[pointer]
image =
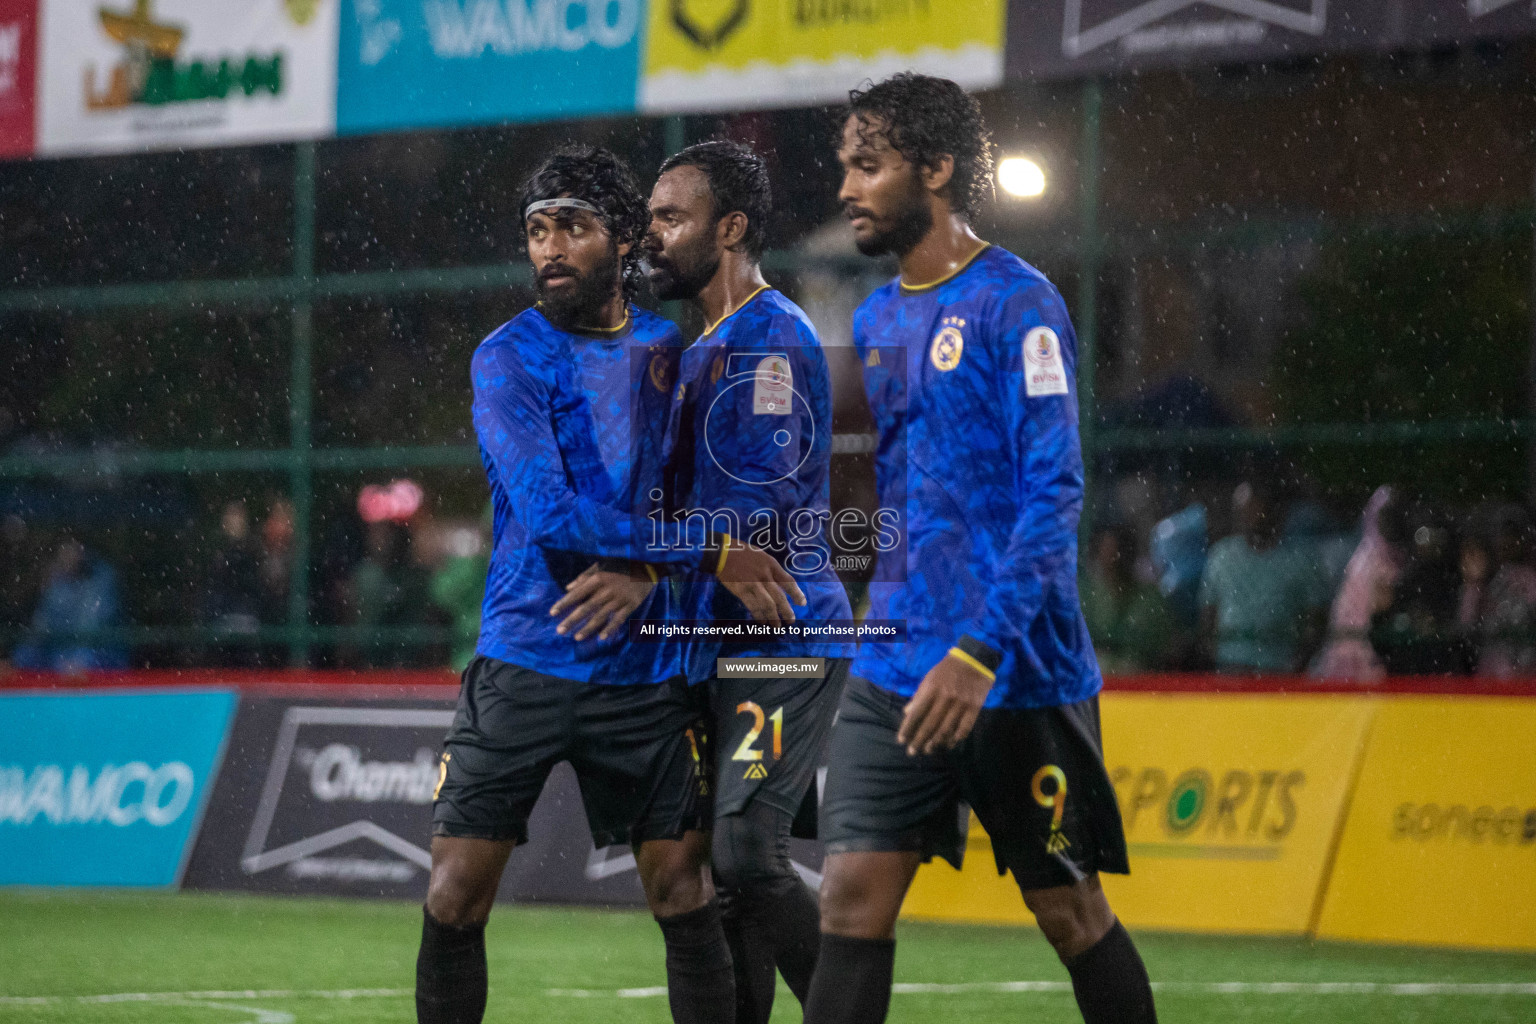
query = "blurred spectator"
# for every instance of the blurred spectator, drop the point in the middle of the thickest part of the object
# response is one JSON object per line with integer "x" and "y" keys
{"x": 1178, "y": 549}
{"x": 18, "y": 553}
{"x": 458, "y": 588}
{"x": 1509, "y": 607}
{"x": 1261, "y": 601}
{"x": 1132, "y": 625}
{"x": 232, "y": 591}
{"x": 1476, "y": 564}
{"x": 79, "y": 596}
{"x": 1369, "y": 577}
{"x": 276, "y": 561}
{"x": 387, "y": 588}
{"x": 1415, "y": 634}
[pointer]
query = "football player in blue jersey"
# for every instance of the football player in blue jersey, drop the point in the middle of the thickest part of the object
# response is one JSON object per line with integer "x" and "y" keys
{"x": 752, "y": 432}
{"x": 571, "y": 399}
{"x": 968, "y": 359}
{"x": 749, "y": 451}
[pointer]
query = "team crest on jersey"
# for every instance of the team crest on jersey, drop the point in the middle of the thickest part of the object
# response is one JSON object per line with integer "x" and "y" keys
{"x": 948, "y": 345}
{"x": 660, "y": 373}
{"x": 873, "y": 359}
{"x": 1044, "y": 371}
{"x": 716, "y": 369}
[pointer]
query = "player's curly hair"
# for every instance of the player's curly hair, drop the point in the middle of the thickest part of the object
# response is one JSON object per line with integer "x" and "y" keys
{"x": 925, "y": 118}
{"x": 738, "y": 180}
{"x": 595, "y": 175}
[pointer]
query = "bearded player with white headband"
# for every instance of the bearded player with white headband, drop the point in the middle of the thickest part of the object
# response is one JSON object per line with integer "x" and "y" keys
{"x": 570, "y": 407}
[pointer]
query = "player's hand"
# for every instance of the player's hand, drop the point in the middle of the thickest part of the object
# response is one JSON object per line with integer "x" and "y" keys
{"x": 944, "y": 709}
{"x": 600, "y": 602}
{"x": 760, "y": 583}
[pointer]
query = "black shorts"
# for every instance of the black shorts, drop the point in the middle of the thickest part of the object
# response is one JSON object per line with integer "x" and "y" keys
{"x": 768, "y": 738}
{"x": 634, "y": 749}
{"x": 1035, "y": 778}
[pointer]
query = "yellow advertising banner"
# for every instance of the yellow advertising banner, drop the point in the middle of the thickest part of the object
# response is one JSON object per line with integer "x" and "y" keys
{"x": 1231, "y": 804}
{"x": 1440, "y": 845}
{"x": 728, "y": 54}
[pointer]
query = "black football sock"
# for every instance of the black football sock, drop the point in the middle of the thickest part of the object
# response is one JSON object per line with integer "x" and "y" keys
{"x": 700, "y": 986}
{"x": 751, "y": 956}
{"x": 853, "y": 981}
{"x": 772, "y": 917}
{"x": 794, "y": 920}
{"x": 450, "y": 973}
{"x": 1110, "y": 981}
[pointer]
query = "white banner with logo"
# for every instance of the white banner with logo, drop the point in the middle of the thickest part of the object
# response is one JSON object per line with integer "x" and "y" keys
{"x": 121, "y": 75}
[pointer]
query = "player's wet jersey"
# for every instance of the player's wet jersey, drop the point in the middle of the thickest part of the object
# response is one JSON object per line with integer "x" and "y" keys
{"x": 750, "y": 448}
{"x": 571, "y": 426}
{"x": 971, "y": 381}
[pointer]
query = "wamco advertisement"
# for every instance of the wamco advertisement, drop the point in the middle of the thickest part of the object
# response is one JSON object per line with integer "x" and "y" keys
{"x": 105, "y": 789}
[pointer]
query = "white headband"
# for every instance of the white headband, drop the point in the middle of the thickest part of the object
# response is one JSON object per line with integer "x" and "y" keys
{"x": 564, "y": 202}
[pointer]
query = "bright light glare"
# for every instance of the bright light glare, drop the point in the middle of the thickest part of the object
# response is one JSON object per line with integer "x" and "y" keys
{"x": 1022, "y": 177}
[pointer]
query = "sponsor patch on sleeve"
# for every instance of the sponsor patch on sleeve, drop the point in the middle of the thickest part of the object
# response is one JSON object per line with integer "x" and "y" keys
{"x": 772, "y": 387}
{"x": 1044, "y": 371}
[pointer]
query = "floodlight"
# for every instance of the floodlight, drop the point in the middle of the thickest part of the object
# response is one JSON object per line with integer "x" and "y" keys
{"x": 1021, "y": 177}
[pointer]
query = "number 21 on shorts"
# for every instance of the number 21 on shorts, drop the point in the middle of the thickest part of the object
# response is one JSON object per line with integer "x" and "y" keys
{"x": 746, "y": 751}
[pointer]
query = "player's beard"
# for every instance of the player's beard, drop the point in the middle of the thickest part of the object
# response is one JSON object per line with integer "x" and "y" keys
{"x": 579, "y": 304}
{"x": 684, "y": 271}
{"x": 905, "y": 227}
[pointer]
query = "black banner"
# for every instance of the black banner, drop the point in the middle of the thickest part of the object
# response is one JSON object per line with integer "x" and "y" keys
{"x": 1067, "y": 38}
{"x": 334, "y": 797}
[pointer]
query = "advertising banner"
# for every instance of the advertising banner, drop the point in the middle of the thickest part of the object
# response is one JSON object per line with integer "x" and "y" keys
{"x": 1065, "y": 38}
{"x": 105, "y": 789}
{"x": 18, "y": 77}
{"x": 120, "y": 75}
{"x": 723, "y": 54}
{"x": 1440, "y": 844}
{"x": 334, "y": 797}
{"x": 1231, "y": 805}
{"x": 421, "y": 63}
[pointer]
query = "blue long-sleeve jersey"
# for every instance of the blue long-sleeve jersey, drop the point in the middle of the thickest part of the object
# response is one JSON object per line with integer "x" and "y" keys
{"x": 750, "y": 444}
{"x": 571, "y": 428}
{"x": 971, "y": 381}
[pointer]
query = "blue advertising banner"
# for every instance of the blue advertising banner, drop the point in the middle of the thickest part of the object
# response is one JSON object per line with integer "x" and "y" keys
{"x": 105, "y": 789}
{"x": 423, "y": 63}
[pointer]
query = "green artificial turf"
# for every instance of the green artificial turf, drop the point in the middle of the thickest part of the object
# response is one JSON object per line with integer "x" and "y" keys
{"x": 205, "y": 959}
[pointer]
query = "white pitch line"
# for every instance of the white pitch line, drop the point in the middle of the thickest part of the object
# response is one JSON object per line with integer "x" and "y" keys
{"x": 258, "y": 1015}
{"x": 1299, "y": 988}
{"x": 249, "y": 993}
{"x": 1273, "y": 988}
{"x": 607, "y": 993}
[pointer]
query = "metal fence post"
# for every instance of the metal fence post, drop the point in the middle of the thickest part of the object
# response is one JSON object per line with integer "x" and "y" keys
{"x": 300, "y": 401}
{"x": 1090, "y": 258}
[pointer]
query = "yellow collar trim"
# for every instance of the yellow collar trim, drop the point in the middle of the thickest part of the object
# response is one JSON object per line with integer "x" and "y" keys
{"x": 910, "y": 288}
{"x": 608, "y": 330}
{"x": 595, "y": 330}
{"x": 739, "y": 307}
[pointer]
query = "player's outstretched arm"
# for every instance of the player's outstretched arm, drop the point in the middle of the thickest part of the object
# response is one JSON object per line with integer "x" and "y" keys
{"x": 1038, "y": 419}
{"x": 946, "y": 705}
{"x": 1037, "y": 415}
{"x": 758, "y": 581}
{"x": 600, "y": 601}
{"x": 511, "y": 413}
